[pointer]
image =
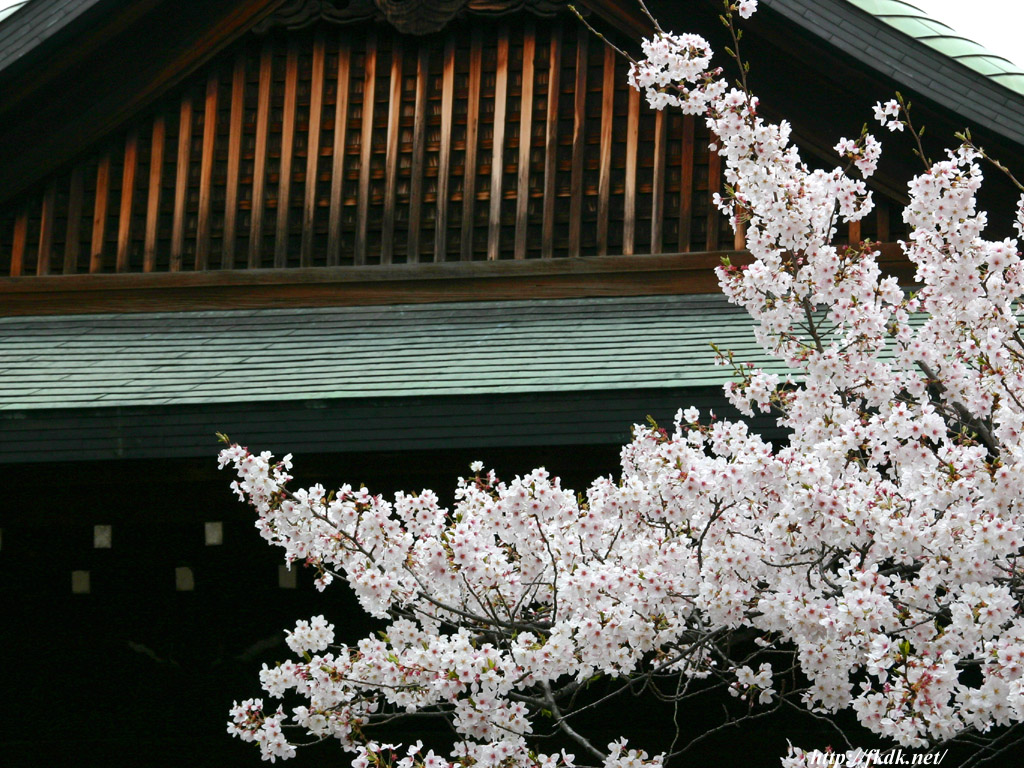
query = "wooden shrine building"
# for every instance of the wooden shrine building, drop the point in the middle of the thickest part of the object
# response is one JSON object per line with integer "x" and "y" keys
{"x": 390, "y": 236}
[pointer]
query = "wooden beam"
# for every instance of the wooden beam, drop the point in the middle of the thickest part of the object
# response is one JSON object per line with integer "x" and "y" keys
{"x": 472, "y": 136}
{"x": 658, "y": 183}
{"x": 44, "y": 255}
{"x": 366, "y": 285}
{"x": 20, "y": 240}
{"x": 156, "y": 181}
{"x": 498, "y": 146}
{"x": 714, "y": 186}
{"x": 366, "y": 148}
{"x": 445, "y": 155}
{"x": 547, "y": 248}
{"x": 259, "y": 163}
{"x": 73, "y": 235}
{"x": 882, "y": 217}
{"x": 203, "y": 225}
{"x": 419, "y": 143}
{"x": 284, "y": 180}
{"x": 235, "y": 127}
{"x": 686, "y": 186}
{"x": 124, "y": 228}
{"x": 387, "y": 234}
{"x": 739, "y": 237}
{"x": 181, "y": 183}
{"x": 604, "y": 184}
{"x": 309, "y": 200}
{"x": 99, "y": 213}
{"x": 337, "y": 202}
{"x": 629, "y": 196}
{"x": 636, "y": 275}
{"x": 525, "y": 137}
{"x": 579, "y": 138}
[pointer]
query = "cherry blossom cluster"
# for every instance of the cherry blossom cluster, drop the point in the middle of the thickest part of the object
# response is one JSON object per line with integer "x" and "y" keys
{"x": 889, "y": 115}
{"x": 877, "y": 552}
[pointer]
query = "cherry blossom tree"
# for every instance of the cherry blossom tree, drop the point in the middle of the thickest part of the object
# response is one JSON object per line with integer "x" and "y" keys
{"x": 871, "y": 565}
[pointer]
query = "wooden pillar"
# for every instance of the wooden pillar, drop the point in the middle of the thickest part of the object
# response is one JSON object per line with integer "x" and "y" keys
{"x": 498, "y": 147}
{"x": 309, "y": 201}
{"x": 579, "y": 138}
{"x": 472, "y": 133}
{"x": 366, "y": 149}
{"x": 124, "y": 228}
{"x": 445, "y": 155}
{"x": 206, "y": 172}
{"x": 259, "y": 170}
{"x": 236, "y": 122}
{"x": 525, "y": 138}
{"x": 551, "y": 144}
{"x": 387, "y": 235}
{"x": 284, "y": 185}
{"x": 338, "y": 155}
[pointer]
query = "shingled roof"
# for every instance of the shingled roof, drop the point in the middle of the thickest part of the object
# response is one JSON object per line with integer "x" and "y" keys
{"x": 542, "y": 372}
{"x": 37, "y": 22}
{"x": 99, "y": 361}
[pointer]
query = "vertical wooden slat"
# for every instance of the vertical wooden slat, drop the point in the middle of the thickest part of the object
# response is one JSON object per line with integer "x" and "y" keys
{"x": 366, "y": 148}
{"x": 72, "y": 238}
{"x": 445, "y": 156}
{"x": 20, "y": 238}
{"x": 686, "y": 187}
{"x": 284, "y": 185}
{"x": 551, "y": 144}
{"x": 46, "y": 229}
{"x": 99, "y": 215}
{"x": 629, "y": 194}
{"x": 658, "y": 183}
{"x": 156, "y": 180}
{"x": 206, "y": 171}
{"x": 418, "y": 149}
{"x": 472, "y": 133}
{"x": 854, "y": 232}
{"x": 578, "y": 145}
{"x": 227, "y": 253}
{"x": 498, "y": 145}
{"x": 124, "y": 228}
{"x": 714, "y": 185}
{"x": 604, "y": 184}
{"x": 387, "y": 235}
{"x": 882, "y": 217}
{"x": 338, "y": 155}
{"x": 259, "y": 168}
{"x": 316, "y": 97}
{"x": 181, "y": 183}
{"x": 525, "y": 136}
{"x": 739, "y": 238}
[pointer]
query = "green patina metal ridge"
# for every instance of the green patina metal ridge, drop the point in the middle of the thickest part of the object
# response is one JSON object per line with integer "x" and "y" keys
{"x": 912, "y": 21}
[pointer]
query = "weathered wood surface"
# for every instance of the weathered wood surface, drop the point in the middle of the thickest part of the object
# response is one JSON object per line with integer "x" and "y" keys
{"x": 352, "y": 146}
{"x": 687, "y": 273}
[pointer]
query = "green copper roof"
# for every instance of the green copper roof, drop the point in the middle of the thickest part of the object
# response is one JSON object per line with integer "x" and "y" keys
{"x": 473, "y": 348}
{"x": 914, "y": 22}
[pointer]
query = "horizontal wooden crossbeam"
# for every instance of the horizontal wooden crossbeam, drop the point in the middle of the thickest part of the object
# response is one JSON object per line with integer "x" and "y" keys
{"x": 685, "y": 273}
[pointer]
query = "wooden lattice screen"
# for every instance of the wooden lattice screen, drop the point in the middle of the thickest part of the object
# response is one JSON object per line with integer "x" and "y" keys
{"x": 505, "y": 139}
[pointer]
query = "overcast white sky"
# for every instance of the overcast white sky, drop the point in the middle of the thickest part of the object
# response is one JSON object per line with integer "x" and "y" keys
{"x": 996, "y": 24}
